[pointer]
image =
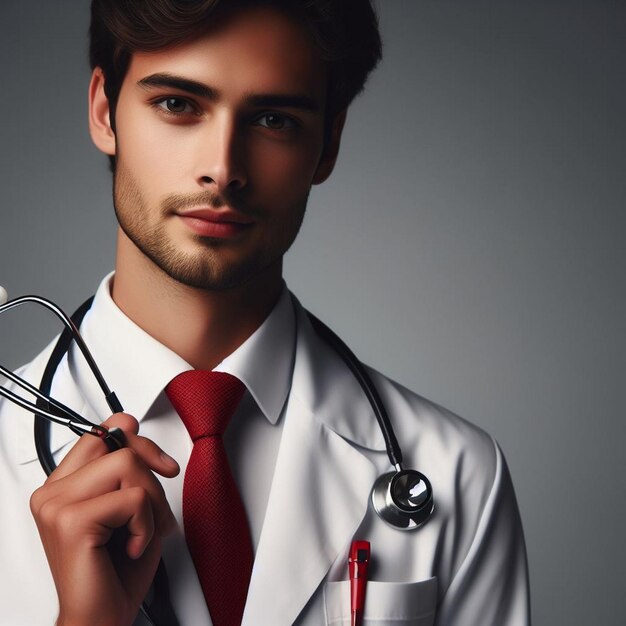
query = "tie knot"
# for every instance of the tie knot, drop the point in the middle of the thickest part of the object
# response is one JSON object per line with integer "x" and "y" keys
{"x": 205, "y": 400}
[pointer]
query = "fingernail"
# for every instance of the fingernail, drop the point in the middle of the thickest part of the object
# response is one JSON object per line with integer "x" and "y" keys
{"x": 132, "y": 551}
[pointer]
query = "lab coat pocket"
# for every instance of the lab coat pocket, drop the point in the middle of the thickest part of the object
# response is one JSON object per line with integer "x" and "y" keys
{"x": 410, "y": 604}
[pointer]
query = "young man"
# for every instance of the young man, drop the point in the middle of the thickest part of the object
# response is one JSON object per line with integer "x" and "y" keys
{"x": 218, "y": 117}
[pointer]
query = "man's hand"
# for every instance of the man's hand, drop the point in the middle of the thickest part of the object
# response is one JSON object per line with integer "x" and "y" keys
{"x": 101, "y": 517}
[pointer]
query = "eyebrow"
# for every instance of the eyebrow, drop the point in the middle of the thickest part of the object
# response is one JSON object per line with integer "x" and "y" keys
{"x": 172, "y": 81}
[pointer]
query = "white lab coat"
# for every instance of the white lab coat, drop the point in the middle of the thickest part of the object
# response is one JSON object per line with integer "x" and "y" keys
{"x": 465, "y": 567}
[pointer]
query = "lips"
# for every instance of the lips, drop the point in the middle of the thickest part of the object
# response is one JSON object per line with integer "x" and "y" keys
{"x": 218, "y": 224}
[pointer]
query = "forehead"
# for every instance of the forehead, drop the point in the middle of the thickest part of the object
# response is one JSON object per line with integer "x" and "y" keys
{"x": 255, "y": 50}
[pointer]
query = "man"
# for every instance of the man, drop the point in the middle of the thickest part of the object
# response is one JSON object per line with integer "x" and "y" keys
{"x": 217, "y": 118}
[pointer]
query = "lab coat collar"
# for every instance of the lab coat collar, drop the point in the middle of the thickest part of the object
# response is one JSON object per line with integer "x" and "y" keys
{"x": 321, "y": 485}
{"x": 138, "y": 368}
{"x": 326, "y": 385}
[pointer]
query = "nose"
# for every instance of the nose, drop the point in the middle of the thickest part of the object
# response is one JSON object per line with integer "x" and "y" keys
{"x": 221, "y": 155}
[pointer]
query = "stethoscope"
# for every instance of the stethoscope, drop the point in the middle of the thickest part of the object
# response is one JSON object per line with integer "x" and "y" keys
{"x": 403, "y": 498}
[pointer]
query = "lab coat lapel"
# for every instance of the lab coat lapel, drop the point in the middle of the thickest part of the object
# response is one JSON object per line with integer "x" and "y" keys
{"x": 321, "y": 484}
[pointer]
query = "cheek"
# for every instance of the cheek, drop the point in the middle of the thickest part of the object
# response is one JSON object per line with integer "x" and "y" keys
{"x": 286, "y": 172}
{"x": 155, "y": 160}
{"x": 146, "y": 142}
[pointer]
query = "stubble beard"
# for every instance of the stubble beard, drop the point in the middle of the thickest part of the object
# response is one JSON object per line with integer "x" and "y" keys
{"x": 203, "y": 270}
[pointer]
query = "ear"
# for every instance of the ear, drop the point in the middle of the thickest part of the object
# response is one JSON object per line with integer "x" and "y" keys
{"x": 99, "y": 115}
{"x": 331, "y": 150}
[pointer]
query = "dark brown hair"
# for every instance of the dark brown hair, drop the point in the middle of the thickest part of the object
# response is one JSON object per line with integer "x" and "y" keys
{"x": 344, "y": 31}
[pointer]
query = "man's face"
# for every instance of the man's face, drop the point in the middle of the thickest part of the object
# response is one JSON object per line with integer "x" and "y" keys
{"x": 217, "y": 144}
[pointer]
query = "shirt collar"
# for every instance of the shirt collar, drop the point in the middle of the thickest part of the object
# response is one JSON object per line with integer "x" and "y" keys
{"x": 264, "y": 362}
{"x": 137, "y": 367}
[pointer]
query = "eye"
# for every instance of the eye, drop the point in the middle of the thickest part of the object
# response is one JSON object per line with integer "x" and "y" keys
{"x": 275, "y": 121}
{"x": 175, "y": 105}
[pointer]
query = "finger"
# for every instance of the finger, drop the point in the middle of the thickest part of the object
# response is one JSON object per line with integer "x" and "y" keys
{"x": 88, "y": 448}
{"x": 118, "y": 471}
{"x": 97, "y": 518}
{"x": 152, "y": 455}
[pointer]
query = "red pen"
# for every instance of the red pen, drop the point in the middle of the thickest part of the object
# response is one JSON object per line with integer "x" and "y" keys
{"x": 357, "y": 566}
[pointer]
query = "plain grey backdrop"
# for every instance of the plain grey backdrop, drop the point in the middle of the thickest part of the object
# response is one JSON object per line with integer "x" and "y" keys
{"x": 469, "y": 244}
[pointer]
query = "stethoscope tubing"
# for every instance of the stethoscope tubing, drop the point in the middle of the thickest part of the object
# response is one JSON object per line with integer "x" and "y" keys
{"x": 367, "y": 385}
{"x": 71, "y": 331}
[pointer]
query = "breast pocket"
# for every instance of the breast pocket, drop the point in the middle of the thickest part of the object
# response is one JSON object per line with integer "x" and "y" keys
{"x": 385, "y": 603}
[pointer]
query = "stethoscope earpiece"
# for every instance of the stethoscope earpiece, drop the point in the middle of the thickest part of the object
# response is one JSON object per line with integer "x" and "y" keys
{"x": 403, "y": 499}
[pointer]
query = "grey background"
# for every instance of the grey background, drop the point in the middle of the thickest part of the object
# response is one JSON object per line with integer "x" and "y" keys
{"x": 469, "y": 243}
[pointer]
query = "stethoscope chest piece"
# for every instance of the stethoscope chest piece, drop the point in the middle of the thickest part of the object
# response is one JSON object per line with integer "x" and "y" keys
{"x": 403, "y": 499}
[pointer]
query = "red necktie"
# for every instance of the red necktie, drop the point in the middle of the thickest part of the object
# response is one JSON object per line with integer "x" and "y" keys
{"x": 216, "y": 526}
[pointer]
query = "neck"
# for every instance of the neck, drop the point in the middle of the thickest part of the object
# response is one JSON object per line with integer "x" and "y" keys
{"x": 203, "y": 327}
